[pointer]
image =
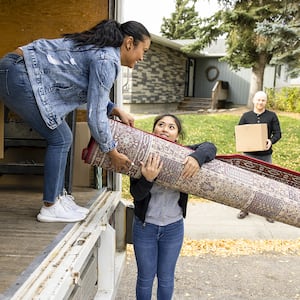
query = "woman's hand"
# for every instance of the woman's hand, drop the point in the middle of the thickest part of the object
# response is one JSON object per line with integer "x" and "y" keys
{"x": 269, "y": 144}
{"x": 191, "y": 167}
{"x": 120, "y": 162}
{"x": 152, "y": 167}
{"x": 124, "y": 116}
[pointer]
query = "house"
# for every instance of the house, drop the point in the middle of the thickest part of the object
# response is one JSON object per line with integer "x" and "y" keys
{"x": 169, "y": 78}
{"x": 157, "y": 83}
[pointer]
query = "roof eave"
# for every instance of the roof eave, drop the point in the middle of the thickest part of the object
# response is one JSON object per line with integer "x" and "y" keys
{"x": 177, "y": 46}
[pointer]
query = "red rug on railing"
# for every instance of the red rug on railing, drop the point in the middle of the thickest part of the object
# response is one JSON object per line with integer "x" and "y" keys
{"x": 259, "y": 167}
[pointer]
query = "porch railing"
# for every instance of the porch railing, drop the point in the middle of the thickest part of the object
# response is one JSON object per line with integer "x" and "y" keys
{"x": 219, "y": 93}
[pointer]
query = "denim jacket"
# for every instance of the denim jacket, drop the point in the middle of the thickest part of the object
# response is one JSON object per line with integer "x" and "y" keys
{"x": 64, "y": 76}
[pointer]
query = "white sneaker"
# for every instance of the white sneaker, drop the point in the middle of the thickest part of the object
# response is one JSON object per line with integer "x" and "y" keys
{"x": 67, "y": 201}
{"x": 58, "y": 213}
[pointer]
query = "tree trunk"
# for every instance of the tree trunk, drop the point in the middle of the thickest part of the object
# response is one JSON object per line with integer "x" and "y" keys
{"x": 257, "y": 77}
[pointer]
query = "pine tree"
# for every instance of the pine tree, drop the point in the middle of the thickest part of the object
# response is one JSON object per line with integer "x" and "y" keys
{"x": 258, "y": 33}
{"x": 183, "y": 23}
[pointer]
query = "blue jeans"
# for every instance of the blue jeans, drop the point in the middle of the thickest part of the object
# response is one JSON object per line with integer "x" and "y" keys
{"x": 156, "y": 251}
{"x": 17, "y": 95}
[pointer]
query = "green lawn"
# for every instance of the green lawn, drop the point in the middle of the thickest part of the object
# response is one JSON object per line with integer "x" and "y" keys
{"x": 219, "y": 129}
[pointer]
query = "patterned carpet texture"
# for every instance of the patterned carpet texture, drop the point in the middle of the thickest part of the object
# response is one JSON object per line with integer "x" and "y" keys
{"x": 234, "y": 180}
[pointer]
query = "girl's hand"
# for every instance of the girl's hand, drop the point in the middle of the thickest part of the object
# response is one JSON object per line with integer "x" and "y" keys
{"x": 124, "y": 116}
{"x": 191, "y": 167}
{"x": 120, "y": 162}
{"x": 152, "y": 167}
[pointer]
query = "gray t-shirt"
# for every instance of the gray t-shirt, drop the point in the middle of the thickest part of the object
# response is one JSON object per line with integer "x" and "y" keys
{"x": 163, "y": 207}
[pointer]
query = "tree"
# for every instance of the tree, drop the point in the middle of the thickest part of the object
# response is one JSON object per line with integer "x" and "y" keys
{"x": 183, "y": 23}
{"x": 258, "y": 33}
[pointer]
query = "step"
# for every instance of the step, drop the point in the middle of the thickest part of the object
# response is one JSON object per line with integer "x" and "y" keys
{"x": 193, "y": 103}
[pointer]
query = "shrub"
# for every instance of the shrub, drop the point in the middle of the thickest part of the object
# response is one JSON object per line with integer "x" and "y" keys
{"x": 284, "y": 99}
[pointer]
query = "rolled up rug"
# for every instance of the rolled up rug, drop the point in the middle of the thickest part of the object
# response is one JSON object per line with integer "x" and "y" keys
{"x": 233, "y": 180}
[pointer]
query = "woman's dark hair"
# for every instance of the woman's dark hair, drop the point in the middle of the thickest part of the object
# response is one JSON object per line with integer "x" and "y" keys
{"x": 177, "y": 121}
{"x": 109, "y": 33}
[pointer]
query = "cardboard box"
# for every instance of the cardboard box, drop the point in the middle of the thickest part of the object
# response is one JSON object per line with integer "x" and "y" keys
{"x": 82, "y": 172}
{"x": 251, "y": 137}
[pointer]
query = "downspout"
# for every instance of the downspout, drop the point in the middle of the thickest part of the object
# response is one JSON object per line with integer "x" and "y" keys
{"x": 274, "y": 79}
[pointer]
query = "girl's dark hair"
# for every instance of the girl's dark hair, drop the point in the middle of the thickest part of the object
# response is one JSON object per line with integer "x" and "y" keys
{"x": 109, "y": 33}
{"x": 177, "y": 121}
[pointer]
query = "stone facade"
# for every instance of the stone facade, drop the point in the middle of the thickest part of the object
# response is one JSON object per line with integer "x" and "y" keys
{"x": 158, "y": 82}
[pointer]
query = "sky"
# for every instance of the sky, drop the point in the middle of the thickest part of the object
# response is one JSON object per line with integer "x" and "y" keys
{"x": 151, "y": 12}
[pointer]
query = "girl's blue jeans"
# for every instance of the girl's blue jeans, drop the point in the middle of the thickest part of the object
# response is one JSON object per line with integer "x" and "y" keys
{"x": 17, "y": 95}
{"x": 156, "y": 251}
